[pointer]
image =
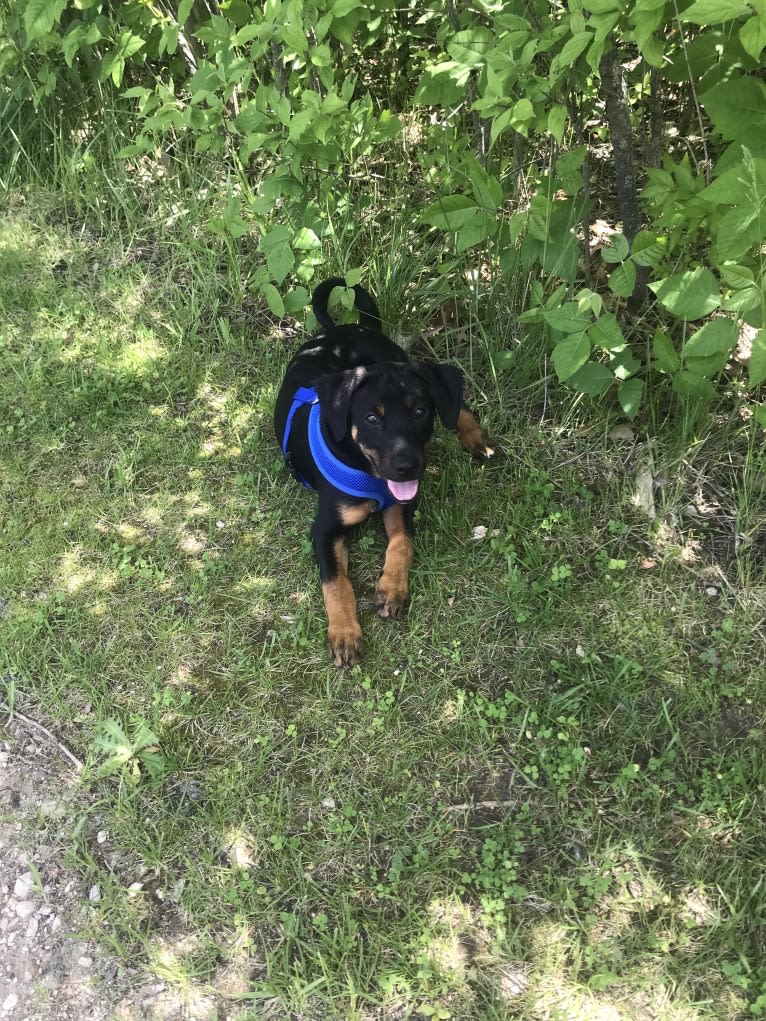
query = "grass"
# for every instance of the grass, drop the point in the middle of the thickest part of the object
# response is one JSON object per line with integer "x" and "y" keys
{"x": 542, "y": 793}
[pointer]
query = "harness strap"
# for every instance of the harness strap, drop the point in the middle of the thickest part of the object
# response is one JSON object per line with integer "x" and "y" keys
{"x": 352, "y": 481}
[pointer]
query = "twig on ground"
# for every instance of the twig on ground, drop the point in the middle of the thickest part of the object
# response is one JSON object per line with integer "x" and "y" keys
{"x": 15, "y": 714}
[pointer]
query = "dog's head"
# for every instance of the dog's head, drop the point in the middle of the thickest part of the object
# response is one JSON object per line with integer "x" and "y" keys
{"x": 385, "y": 412}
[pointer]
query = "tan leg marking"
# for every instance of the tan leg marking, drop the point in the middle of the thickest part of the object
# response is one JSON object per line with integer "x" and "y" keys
{"x": 393, "y": 588}
{"x": 472, "y": 436}
{"x": 344, "y": 636}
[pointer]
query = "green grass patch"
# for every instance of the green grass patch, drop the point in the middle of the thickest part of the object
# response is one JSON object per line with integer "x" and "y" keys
{"x": 541, "y": 795}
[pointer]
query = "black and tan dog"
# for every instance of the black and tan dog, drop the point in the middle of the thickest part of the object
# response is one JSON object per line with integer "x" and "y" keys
{"x": 353, "y": 417}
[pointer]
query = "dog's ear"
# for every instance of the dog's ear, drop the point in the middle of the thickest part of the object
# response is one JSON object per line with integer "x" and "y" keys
{"x": 445, "y": 382}
{"x": 335, "y": 392}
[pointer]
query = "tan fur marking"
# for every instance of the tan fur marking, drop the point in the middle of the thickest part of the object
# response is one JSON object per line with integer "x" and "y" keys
{"x": 344, "y": 636}
{"x": 393, "y": 588}
{"x": 472, "y": 436}
{"x": 355, "y": 513}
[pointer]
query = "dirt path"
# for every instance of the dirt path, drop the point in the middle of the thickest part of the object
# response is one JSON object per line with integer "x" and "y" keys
{"x": 47, "y": 969}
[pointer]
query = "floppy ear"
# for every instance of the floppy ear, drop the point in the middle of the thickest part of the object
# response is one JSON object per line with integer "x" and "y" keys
{"x": 335, "y": 392}
{"x": 445, "y": 383}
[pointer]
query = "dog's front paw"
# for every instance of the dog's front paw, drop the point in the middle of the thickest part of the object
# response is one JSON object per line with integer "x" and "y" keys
{"x": 472, "y": 436}
{"x": 344, "y": 645}
{"x": 481, "y": 446}
{"x": 390, "y": 597}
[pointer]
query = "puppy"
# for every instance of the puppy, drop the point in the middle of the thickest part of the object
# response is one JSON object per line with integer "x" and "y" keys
{"x": 353, "y": 417}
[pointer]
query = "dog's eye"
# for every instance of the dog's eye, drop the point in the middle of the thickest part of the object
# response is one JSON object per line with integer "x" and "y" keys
{"x": 371, "y": 419}
{"x": 418, "y": 411}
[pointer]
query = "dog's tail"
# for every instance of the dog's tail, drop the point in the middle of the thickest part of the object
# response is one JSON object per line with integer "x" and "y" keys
{"x": 369, "y": 316}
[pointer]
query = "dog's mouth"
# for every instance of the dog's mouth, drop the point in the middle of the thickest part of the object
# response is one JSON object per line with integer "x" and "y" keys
{"x": 403, "y": 492}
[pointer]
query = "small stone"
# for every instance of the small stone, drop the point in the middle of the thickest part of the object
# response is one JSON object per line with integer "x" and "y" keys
{"x": 25, "y": 908}
{"x": 94, "y": 894}
{"x": 328, "y": 802}
{"x": 10, "y": 1002}
{"x": 479, "y": 532}
{"x": 24, "y": 885}
{"x": 102, "y": 836}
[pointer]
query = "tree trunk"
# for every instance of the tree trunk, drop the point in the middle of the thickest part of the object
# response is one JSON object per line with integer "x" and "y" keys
{"x": 615, "y": 96}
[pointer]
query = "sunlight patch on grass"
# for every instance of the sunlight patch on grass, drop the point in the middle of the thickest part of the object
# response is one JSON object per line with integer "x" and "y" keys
{"x": 73, "y": 575}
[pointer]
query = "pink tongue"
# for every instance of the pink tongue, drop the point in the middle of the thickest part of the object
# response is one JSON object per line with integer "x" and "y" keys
{"x": 402, "y": 491}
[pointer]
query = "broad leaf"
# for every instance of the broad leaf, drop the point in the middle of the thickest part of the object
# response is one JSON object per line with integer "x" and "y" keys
{"x": 665, "y": 355}
{"x": 752, "y": 35}
{"x": 470, "y": 47}
{"x": 622, "y": 280}
{"x": 569, "y": 318}
{"x": 273, "y": 299}
{"x": 629, "y": 396}
{"x": 707, "y": 350}
{"x": 690, "y": 295}
{"x": 758, "y": 359}
{"x": 616, "y": 250}
{"x": 737, "y": 107}
{"x": 40, "y": 16}
{"x": 606, "y": 333}
{"x": 593, "y": 378}
{"x": 713, "y": 12}
{"x": 570, "y": 354}
{"x": 690, "y": 384}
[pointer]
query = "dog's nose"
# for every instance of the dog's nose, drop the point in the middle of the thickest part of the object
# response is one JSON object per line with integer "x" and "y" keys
{"x": 406, "y": 466}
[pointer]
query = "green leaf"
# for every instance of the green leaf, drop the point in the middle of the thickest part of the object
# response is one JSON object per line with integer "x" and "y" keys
{"x": 593, "y": 378}
{"x": 624, "y": 364}
{"x": 40, "y": 16}
{"x": 571, "y": 50}
{"x": 340, "y": 8}
{"x": 737, "y": 231}
{"x": 606, "y": 333}
{"x": 294, "y": 38}
{"x": 622, "y": 280}
{"x": 570, "y": 354}
{"x": 758, "y": 359}
{"x": 487, "y": 189}
{"x": 665, "y": 356}
{"x": 569, "y": 318}
{"x": 306, "y": 240}
{"x": 648, "y": 249}
{"x": 273, "y": 299}
{"x": 470, "y": 47}
{"x": 744, "y": 300}
{"x": 449, "y": 213}
{"x": 296, "y": 299}
{"x": 616, "y": 250}
{"x": 689, "y": 295}
{"x": 752, "y": 35}
{"x": 629, "y": 395}
{"x": 522, "y": 114}
{"x": 690, "y": 384}
{"x": 713, "y": 12}
{"x": 705, "y": 353}
{"x": 737, "y": 107}
{"x": 557, "y": 117}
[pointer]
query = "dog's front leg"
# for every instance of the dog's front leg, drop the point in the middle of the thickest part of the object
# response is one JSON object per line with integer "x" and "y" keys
{"x": 344, "y": 635}
{"x": 471, "y": 435}
{"x": 393, "y": 588}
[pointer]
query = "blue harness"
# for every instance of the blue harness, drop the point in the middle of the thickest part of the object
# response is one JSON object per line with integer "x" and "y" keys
{"x": 352, "y": 481}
